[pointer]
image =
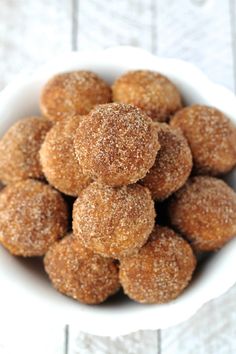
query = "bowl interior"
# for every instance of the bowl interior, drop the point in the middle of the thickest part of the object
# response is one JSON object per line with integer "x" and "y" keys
{"x": 26, "y": 278}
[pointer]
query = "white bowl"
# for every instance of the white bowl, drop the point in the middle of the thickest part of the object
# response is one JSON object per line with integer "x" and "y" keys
{"x": 25, "y": 289}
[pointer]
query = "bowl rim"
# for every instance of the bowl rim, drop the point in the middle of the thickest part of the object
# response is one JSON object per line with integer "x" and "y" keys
{"x": 117, "y": 324}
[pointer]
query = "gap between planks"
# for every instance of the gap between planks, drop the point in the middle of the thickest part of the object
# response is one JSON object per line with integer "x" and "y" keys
{"x": 74, "y": 24}
{"x": 67, "y": 339}
{"x": 74, "y": 46}
{"x": 232, "y": 13}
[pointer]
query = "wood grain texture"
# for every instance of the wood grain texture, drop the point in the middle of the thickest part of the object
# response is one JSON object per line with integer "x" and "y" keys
{"x": 31, "y": 339}
{"x": 211, "y": 331}
{"x": 141, "y": 342}
{"x": 107, "y": 23}
{"x": 232, "y": 10}
{"x": 30, "y": 33}
{"x": 199, "y": 32}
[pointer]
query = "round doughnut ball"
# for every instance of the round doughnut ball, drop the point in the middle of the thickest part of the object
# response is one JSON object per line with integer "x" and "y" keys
{"x": 32, "y": 216}
{"x": 173, "y": 164}
{"x": 160, "y": 270}
{"x": 19, "y": 149}
{"x": 74, "y": 93}
{"x": 77, "y": 272}
{"x": 211, "y": 136}
{"x": 204, "y": 210}
{"x": 116, "y": 144}
{"x": 59, "y": 164}
{"x": 113, "y": 221}
{"x": 150, "y": 91}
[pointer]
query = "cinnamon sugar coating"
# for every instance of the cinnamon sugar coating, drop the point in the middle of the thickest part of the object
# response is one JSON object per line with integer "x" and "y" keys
{"x": 74, "y": 92}
{"x": 116, "y": 144}
{"x": 113, "y": 221}
{"x": 79, "y": 273}
{"x": 150, "y": 91}
{"x": 19, "y": 149}
{"x": 211, "y": 137}
{"x": 172, "y": 166}
{"x": 160, "y": 270}
{"x": 204, "y": 210}
{"x": 32, "y": 216}
{"x": 59, "y": 164}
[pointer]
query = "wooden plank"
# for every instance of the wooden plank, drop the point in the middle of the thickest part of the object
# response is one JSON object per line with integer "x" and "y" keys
{"x": 30, "y": 33}
{"x": 31, "y": 339}
{"x": 136, "y": 343}
{"x": 232, "y": 10}
{"x": 212, "y": 330}
{"x": 105, "y": 23}
{"x": 197, "y": 31}
{"x": 100, "y": 24}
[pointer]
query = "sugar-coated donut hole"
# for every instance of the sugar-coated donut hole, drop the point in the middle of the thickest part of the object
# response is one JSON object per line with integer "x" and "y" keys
{"x": 116, "y": 144}
{"x": 152, "y": 92}
{"x": 33, "y": 215}
{"x": 113, "y": 221}
{"x": 172, "y": 166}
{"x": 76, "y": 92}
{"x": 211, "y": 137}
{"x": 204, "y": 210}
{"x": 19, "y": 149}
{"x": 79, "y": 273}
{"x": 160, "y": 270}
{"x": 59, "y": 164}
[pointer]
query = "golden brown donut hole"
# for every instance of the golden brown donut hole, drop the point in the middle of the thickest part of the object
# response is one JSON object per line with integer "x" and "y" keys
{"x": 32, "y": 216}
{"x": 19, "y": 149}
{"x": 173, "y": 164}
{"x": 154, "y": 93}
{"x": 77, "y": 272}
{"x": 113, "y": 221}
{"x": 116, "y": 144}
{"x": 74, "y": 92}
{"x": 211, "y": 137}
{"x": 160, "y": 270}
{"x": 204, "y": 210}
{"x": 58, "y": 160}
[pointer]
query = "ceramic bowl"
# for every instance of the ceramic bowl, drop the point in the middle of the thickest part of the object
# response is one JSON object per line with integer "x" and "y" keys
{"x": 25, "y": 288}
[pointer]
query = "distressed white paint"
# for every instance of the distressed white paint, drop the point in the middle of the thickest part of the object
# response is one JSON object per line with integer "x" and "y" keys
{"x": 106, "y": 23}
{"x": 30, "y": 33}
{"x": 142, "y": 342}
{"x": 200, "y": 32}
{"x": 211, "y": 331}
{"x": 31, "y": 339}
{"x": 196, "y": 30}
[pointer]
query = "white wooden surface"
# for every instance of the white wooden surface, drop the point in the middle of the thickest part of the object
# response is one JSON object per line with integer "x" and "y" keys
{"x": 200, "y": 31}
